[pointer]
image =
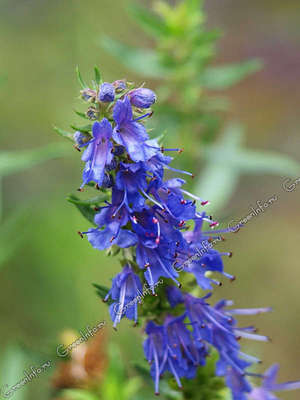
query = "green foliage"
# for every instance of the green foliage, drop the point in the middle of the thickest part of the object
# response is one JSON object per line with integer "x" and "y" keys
{"x": 79, "y": 394}
{"x": 182, "y": 60}
{"x": 86, "y": 208}
{"x": 14, "y": 362}
{"x": 102, "y": 292}
{"x": 12, "y": 162}
{"x": 116, "y": 384}
{"x": 9, "y": 241}
{"x": 226, "y": 160}
{"x": 144, "y": 62}
{"x": 219, "y": 78}
{"x": 98, "y": 78}
{"x": 79, "y": 78}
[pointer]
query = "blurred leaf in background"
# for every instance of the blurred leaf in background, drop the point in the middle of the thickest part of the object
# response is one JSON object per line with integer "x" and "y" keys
{"x": 12, "y": 162}
{"x": 181, "y": 60}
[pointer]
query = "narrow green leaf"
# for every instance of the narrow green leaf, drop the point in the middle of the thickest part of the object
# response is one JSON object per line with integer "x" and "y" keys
{"x": 144, "y": 62}
{"x": 98, "y": 79}
{"x": 86, "y": 210}
{"x": 78, "y": 394}
{"x": 263, "y": 162}
{"x": 93, "y": 201}
{"x": 151, "y": 23}
{"x": 102, "y": 292}
{"x": 13, "y": 364}
{"x": 81, "y": 114}
{"x": 225, "y": 76}
{"x": 80, "y": 80}
{"x": 14, "y": 161}
{"x": 64, "y": 133}
{"x": 85, "y": 128}
{"x": 9, "y": 241}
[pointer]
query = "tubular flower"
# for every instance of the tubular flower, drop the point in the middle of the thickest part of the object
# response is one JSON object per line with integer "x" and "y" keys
{"x": 142, "y": 97}
{"x": 147, "y": 218}
{"x": 98, "y": 153}
{"x": 126, "y": 288}
{"x": 269, "y": 385}
{"x": 130, "y": 133}
{"x": 107, "y": 92}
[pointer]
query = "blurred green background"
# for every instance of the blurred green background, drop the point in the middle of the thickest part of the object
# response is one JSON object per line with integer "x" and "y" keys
{"x": 46, "y": 279}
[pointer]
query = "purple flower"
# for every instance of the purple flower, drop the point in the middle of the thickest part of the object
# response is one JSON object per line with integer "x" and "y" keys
{"x": 98, "y": 153}
{"x": 171, "y": 348}
{"x": 131, "y": 180}
{"x": 126, "y": 290}
{"x": 142, "y": 97}
{"x": 269, "y": 385}
{"x": 110, "y": 221}
{"x": 107, "y": 92}
{"x": 80, "y": 139}
{"x": 119, "y": 85}
{"x": 130, "y": 133}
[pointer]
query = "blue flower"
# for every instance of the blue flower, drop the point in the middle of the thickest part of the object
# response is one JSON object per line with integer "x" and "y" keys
{"x": 110, "y": 221}
{"x": 119, "y": 85}
{"x": 80, "y": 139}
{"x": 107, "y": 92}
{"x": 238, "y": 384}
{"x": 142, "y": 97}
{"x": 131, "y": 180}
{"x": 170, "y": 347}
{"x": 130, "y": 133}
{"x": 98, "y": 153}
{"x": 269, "y": 385}
{"x": 126, "y": 290}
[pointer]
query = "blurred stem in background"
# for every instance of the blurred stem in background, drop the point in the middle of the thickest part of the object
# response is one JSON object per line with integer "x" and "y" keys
{"x": 187, "y": 85}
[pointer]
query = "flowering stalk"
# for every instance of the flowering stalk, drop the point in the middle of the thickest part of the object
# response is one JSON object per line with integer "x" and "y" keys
{"x": 144, "y": 217}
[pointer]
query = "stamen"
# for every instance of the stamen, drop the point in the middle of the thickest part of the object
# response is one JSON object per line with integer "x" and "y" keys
{"x": 143, "y": 116}
{"x": 151, "y": 199}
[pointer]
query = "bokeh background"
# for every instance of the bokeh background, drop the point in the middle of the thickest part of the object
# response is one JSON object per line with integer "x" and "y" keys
{"x": 46, "y": 279}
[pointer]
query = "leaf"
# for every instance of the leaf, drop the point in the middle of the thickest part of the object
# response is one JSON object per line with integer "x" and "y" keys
{"x": 102, "y": 292}
{"x": 13, "y": 364}
{"x": 12, "y": 162}
{"x": 85, "y": 209}
{"x": 80, "y": 80}
{"x": 85, "y": 128}
{"x": 262, "y": 162}
{"x": 93, "y": 201}
{"x": 223, "y": 77}
{"x": 144, "y": 62}
{"x": 152, "y": 23}
{"x": 78, "y": 394}
{"x": 9, "y": 241}
{"x": 98, "y": 79}
{"x": 64, "y": 133}
{"x": 216, "y": 184}
{"x": 81, "y": 114}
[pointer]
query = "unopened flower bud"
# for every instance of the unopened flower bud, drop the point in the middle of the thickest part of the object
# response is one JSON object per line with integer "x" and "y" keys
{"x": 142, "y": 97}
{"x": 92, "y": 113}
{"x": 80, "y": 138}
{"x": 88, "y": 94}
{"x": 119, "y": 85}
{"x": 107, "y": 92}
